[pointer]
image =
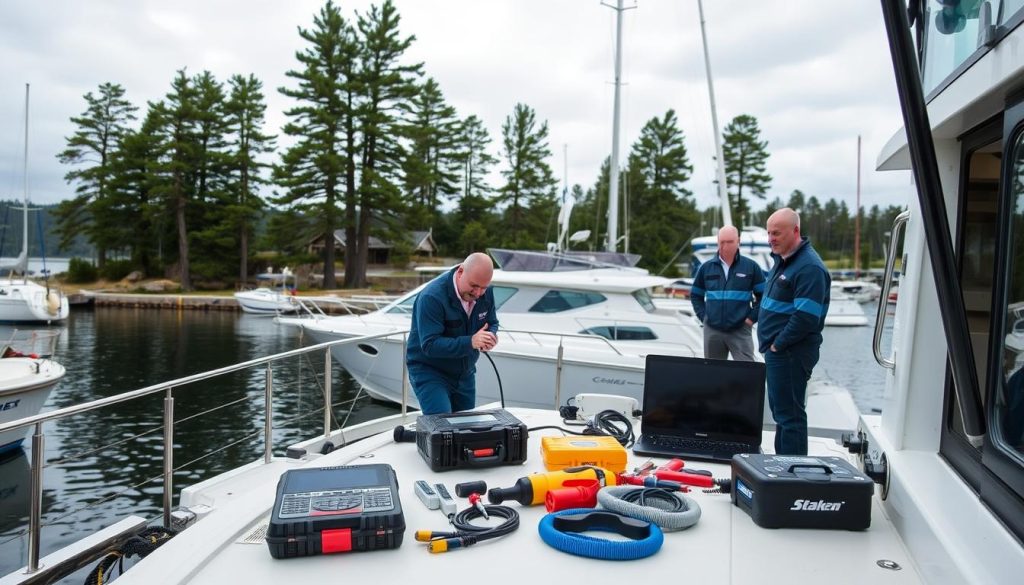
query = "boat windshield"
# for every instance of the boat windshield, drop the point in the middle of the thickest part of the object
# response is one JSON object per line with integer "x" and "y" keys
{"x": 643, "y": 296}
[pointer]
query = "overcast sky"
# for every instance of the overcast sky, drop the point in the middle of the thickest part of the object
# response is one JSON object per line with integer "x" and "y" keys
{"x": 815, "y": 74}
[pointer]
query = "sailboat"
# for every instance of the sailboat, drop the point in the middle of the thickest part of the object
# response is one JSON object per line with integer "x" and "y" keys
{"x": 22, "y": 300}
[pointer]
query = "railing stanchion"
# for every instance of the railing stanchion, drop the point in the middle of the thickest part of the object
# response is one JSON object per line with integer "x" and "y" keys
{"x": 405, "y": 377}
{"x": 35, "y": 514}
{"x": 168, "y": 455}
{"x": 558, "y": 374}
{"x": 328, "y": 410}
{"x": 268, "y": 424}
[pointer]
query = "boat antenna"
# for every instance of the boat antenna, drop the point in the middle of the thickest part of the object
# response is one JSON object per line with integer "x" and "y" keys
{"x": 613, "y": 179}
{"x": 723, "y": 193}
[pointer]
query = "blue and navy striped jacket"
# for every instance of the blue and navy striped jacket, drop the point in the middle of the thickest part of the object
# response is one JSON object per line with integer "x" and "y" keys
{"x": 795, "y": 301}
{"x": 723, "y": 301}
{"x": 440, "y": 338}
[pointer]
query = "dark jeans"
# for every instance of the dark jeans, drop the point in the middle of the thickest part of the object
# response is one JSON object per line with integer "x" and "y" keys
{"x": 787, "y": 372}
{"x": 438, "y": 393}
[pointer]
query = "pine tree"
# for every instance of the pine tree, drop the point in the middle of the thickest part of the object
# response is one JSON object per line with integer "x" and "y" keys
{"x": 746, "y": 157}
{"x": 661, "y": 207}
{"x": 321, "y": 162}
{"x": 178, "y": 118}
{"x": 245, "y": 113}
{"x": 476, "y": 164}
{"x": 529, "y": 182}
{"x": 95, "y": 141}
{"x": 384, "y": 84}
{"x": 135, "y": 205}
{"x": 431, "y": 167}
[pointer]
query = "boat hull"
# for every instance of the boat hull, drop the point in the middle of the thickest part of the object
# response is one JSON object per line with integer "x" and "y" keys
{"x": 25, "y": 385}
{"x": 265, "y": 303}
{"x": 28, "y": 302}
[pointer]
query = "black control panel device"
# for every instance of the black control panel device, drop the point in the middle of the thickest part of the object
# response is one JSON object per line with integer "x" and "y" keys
{"x": 336, "y": 509}
{"x": 482, "y": 438}
{"x": 788, "y": 491}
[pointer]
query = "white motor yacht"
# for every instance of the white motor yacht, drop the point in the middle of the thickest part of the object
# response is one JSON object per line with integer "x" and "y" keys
{"x": 947, "y": 452}
{"x": 266, "y": 301}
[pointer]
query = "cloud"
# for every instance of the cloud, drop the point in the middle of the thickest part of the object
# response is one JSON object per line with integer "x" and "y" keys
{"x": 815, "y": 74}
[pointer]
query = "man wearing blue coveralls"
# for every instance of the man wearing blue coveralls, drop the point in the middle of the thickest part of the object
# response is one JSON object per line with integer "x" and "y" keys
{"x": 453, "y": 320}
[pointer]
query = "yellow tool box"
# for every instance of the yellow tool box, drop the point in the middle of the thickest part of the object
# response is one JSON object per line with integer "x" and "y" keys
{"x": 602, "y": 451}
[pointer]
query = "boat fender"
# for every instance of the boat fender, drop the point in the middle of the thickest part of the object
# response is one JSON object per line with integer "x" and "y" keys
{"x": 53, "y": 302}
{"x": 562, "y": 530}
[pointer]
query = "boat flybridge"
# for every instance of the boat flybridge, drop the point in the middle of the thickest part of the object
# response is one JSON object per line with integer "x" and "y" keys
{"x": 947, "y": 451}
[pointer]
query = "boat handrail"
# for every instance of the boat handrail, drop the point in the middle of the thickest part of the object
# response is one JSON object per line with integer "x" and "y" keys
{"x": 534, "y": 334}
{"x": 890, "y": 263}
{"x": 36, "y": 484}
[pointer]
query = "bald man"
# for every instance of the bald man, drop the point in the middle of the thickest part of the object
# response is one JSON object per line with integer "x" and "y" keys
{"x": 726, "y": 295}
{"x": 453, "y": 320}
{"x": 791, "y": 321}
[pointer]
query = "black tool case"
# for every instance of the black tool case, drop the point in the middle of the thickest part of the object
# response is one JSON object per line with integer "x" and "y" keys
{"x": 336, "y": 509}
{"x": 482, "y": 438}
{"x": 786, "y": 491}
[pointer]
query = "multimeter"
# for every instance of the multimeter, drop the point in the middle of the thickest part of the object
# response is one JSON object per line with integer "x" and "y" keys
{"x": 336, "y": 509}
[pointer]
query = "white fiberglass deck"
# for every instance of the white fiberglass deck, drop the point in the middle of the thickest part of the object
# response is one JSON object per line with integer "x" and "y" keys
{"x": 724, "y": 547}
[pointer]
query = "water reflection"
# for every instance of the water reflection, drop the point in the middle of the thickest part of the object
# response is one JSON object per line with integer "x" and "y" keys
{"x": 116, "y": 454}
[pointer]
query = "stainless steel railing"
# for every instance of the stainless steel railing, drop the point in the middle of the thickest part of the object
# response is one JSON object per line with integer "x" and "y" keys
{"x": 38, "y": 437}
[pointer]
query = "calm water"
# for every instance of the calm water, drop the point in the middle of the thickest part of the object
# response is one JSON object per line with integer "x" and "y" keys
{"x": 110, "y": 351}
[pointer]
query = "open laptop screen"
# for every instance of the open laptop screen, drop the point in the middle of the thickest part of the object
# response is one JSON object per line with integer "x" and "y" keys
{"x": 690, "y": 397}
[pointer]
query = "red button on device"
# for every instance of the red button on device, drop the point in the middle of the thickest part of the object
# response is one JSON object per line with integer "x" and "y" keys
{"x": 337, "y": 540}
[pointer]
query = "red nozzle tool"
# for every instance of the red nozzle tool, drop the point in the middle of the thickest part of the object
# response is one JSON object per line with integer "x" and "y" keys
{"x": 685, "y": 478}
{"x": 673, "y": 465}
{"x": 652, "y": 482}
{"x": 574, "y": 493}
{"x": 474, "y": 499}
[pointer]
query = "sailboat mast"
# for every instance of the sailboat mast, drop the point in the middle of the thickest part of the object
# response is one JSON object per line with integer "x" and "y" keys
{"x": 24, "y": 233}
{"x": 723, "y": 193}
{"x": 856, "y": 220}
{"x": 613, "y": 179}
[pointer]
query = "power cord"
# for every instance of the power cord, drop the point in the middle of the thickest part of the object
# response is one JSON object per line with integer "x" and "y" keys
{"x": 605, "y": 422}
{"x": 501, "y": 391}
{"x": 467, "y": 533}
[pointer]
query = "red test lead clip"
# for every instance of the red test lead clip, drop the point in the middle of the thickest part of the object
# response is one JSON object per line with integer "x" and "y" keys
{"x": 474, "y": 500}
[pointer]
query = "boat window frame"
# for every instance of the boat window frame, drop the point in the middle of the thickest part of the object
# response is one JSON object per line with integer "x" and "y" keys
{"x": 1002, "y": 31}
{"x": 996, "y": 478}
{"x": 591, "y": 300}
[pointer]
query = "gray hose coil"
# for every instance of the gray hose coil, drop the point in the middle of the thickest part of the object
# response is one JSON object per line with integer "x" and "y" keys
{"x": 611, "y": 499}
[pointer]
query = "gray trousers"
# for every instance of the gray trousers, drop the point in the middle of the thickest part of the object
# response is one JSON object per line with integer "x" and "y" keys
{"x": 719, "y": 344}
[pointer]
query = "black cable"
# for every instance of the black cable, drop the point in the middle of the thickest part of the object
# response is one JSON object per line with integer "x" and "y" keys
{"x": 605, "y": 421}
{"x": 647, "y": 497}
{"x": 557, "y": 428}
{"x": 501, "y": 391}
{"x": 462, "y": 523}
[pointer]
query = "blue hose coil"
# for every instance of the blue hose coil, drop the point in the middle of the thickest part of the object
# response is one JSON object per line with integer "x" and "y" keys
{"x": 582, "y": 545}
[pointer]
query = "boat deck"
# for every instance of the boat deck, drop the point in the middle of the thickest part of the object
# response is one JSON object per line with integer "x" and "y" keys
{"x": 724, "y": 547}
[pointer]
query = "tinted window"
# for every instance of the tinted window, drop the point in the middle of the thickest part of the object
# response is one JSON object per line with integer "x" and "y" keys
{"x": 643, "y": 296}
{"x": 555, "y": 301}
{"x": 502, "y": 294}
{"x": 405, "y": 306}
{"x": 622, "y": 333}
{"x": 1009, "y": 411}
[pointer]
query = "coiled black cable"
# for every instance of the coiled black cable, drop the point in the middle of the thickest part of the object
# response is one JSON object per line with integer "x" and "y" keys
{"x": 647, "y": 497}
{"x": 472, "y": 533}
{"x": 607, "y": 421}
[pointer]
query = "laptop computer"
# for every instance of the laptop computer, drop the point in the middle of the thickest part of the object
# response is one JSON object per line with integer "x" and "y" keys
{"x": 704, "y": 409}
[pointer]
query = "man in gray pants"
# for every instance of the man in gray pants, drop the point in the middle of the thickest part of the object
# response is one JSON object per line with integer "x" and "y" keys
{"x": 726, "y": 297}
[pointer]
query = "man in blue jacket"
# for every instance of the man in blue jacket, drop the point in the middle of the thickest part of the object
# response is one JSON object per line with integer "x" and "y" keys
{"x": 789, "y": 329}
{"x": 453, "y": 320}
{"x": 725, "y": 295}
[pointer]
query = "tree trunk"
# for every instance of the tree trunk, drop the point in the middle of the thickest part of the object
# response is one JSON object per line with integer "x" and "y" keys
{"x": 243, "y": 245}
{"x": 186, "y": 281}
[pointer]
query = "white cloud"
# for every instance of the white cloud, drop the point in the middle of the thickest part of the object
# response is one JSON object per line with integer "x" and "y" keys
{"x": 815, "y": 74}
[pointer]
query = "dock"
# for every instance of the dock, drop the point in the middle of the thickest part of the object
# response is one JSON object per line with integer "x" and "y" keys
{"x": 332, "y": 305}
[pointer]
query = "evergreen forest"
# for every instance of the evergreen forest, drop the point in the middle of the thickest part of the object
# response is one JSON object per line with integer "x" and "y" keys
{"x": 195, "y": 187}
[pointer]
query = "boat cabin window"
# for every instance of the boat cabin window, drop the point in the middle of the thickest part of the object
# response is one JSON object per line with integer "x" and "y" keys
{"x": 1008, "y": 409}
{"x": 950, "y": 36}
{"x": 502, "y": 294}
{"x": 556, "y": 301}
{"x": 404, "y": 307}
{"x": 627, "y": 333}
{"x": 643, "y": 296}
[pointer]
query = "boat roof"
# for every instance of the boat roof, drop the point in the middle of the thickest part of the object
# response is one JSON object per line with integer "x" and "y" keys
{"x": 725, "y": 546}
{"x": 532, "y": 261}
{"x": 598, "y": 280}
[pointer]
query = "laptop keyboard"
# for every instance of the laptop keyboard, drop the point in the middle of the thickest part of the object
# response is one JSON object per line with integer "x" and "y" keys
{"x": 685, "y": 444}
